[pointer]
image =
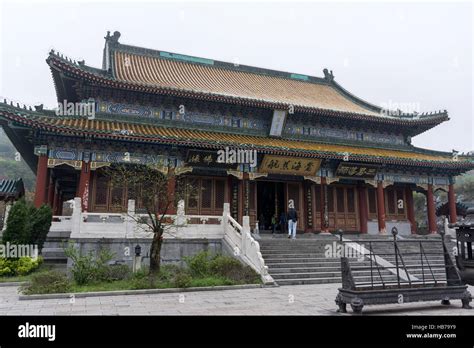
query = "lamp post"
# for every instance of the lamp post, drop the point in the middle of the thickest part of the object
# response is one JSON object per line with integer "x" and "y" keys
{"x": 137, "y": 260}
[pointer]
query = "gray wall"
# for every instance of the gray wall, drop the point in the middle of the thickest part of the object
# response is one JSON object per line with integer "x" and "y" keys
{"x": 173, "y": 250}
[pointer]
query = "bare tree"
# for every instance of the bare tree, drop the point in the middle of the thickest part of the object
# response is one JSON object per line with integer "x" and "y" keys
{"x": 149, "y": 186}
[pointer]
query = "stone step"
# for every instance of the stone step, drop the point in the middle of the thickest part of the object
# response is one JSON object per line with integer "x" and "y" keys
{"x": 274, "y": 271}
{"x": 55, "y": 244}
{"x": 60, "y": 262}
{"x": 270, "y": 260}
{"x": 307, "y": 281}
{"x": 293, "y": 247}
{"x": 303, "y": 264}
{"x": 58, "y": 234}
{"x": 317, "y": 272}
{"x": 53, "y": 253}
{"x": 327, "y": 280}
{"x": 293, "y": 255}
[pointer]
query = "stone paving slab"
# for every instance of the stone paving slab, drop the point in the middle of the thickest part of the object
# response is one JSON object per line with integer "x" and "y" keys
{"x": 315, "y": 299}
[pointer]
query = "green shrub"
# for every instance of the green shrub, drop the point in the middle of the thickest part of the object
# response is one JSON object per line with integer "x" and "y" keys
{"x": 230, "y": 268}
{"x": 40, "y": 224}
{"x": 168, "y": 272}
{"x": 88, "y": 268}
{"x": 83, "y": 265}
{"x": 114, "y": 272}
{"x": 142, "y": 280}
{"x": 26, "y": 265}
{"x": 51, "y": 282}
{"x": 182, "y": 280}
{"x": 27, "y": 224}
{"x": 6, "y": 271}
{"x": 199, "y": 264}
{"x": 21, "y": 266}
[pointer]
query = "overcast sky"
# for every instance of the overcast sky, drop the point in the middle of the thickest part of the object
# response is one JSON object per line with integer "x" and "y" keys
{"x": 414, "y": 55}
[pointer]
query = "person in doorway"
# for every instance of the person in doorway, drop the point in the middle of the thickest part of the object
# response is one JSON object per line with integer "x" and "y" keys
{"x": 274, "y": 224}
{"x": 283, "y": 222}
{"x": 292, "y": 219}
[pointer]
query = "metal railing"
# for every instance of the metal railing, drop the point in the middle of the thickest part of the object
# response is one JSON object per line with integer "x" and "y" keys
{"x": 401, "y": 263}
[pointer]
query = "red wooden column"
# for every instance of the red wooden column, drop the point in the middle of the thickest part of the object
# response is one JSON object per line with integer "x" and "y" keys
{"x": 410, "y": 207}
{"x": 381, "y": 208}
{"x": 452, "y": 204}
{"x": 41, "y": 181}
{"x": 324, "y": 208}
{"x": 84, "y": 185}
{"x": 363, "y": 210}
{"x": 431, "y": 209}
{"x": 171, "y": 188}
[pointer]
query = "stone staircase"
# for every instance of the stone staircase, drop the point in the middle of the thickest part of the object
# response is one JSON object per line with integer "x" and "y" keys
{"x": 303, "y": 261}
{"x": 53, "y": 249}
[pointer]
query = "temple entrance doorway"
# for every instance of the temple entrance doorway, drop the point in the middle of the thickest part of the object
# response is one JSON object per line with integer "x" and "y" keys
{"x": 270, "y": 202}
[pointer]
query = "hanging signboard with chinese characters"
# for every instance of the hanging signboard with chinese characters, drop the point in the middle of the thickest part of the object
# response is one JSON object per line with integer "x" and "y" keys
{"x": 198, "y": 158}
{"x": 355, "y": 170}
{"x": 278, "y": 121}
{"x": 289, "y": 165}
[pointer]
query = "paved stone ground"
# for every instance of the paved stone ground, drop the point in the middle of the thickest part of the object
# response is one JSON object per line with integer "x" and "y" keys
{"x": 286, "y": 300}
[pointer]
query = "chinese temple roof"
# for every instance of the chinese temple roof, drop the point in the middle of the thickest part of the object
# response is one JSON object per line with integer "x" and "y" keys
{"x": 125, "y": 131}
{"x": 11, "y": 189}
{"x": 139, "y": 69}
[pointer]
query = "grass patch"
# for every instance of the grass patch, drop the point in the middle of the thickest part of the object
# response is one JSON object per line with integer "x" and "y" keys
{"x": 130, "y": 284}
{"x": 90, "y": 275}
{"x": 26, "y": 278}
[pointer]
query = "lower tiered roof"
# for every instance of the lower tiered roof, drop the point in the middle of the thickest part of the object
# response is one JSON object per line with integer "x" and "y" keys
{"x": 149, "y": 133}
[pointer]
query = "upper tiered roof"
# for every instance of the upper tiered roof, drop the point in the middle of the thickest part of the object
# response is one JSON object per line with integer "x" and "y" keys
{"x": 140, "y": 69}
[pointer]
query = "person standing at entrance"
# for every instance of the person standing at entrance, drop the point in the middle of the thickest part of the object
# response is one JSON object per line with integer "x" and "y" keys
{"x": 274, "y": 224}
{"x": 292, "y": 219}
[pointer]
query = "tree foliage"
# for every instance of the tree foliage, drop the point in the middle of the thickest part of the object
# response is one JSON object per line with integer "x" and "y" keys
{"x": 27, "y": 224}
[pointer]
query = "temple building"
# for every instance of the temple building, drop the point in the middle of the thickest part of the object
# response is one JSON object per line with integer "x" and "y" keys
{"x": 347, "y": 164}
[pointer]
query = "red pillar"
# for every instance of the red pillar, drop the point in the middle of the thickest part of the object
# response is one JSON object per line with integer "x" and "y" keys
{"x": 410, "y": 207}
{"x": 324, "y": 212}
{"x": 171, "y": 189}
{"x": 84, "y": 185}
{"x": 363, "y": 210}
{"x": 452, "y": 204}
{"x": 431, "y": 209}
{"x": 381, "y": 208}
{"x": 41, "y": 181}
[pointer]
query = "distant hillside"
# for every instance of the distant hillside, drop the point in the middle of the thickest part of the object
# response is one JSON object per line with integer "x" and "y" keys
{"x": 11, "y": 169}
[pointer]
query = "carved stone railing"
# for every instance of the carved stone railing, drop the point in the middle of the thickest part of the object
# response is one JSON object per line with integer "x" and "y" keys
{"x": 243, "y": 244}
{"x": 61, "y": 223}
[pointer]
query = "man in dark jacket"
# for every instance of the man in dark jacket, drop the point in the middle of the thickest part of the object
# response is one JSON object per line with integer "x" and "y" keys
{"x": 292, "y": 219}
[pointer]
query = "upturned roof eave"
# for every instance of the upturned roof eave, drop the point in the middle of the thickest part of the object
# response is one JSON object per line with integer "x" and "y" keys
{"x": 105, "y": 79}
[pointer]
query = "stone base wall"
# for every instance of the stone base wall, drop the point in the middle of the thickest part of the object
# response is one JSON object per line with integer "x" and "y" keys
{"x": 173, "y": 250}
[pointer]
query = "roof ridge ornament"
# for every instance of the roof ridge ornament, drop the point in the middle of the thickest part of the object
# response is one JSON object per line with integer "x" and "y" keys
{"x": 113, "y": 38}
{"x": 328, "y": 75}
